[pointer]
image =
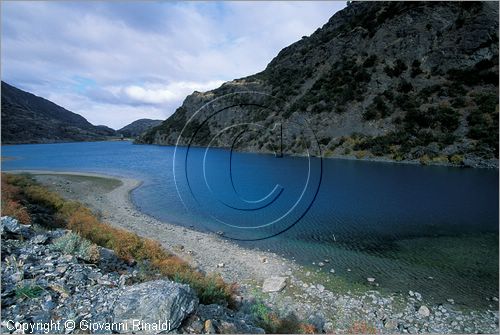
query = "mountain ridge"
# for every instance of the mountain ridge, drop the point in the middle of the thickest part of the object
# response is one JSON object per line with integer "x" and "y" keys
{"x": 380, "y": 80}
{"x": 27, "y": 118}
{"x": 138, "y": 127}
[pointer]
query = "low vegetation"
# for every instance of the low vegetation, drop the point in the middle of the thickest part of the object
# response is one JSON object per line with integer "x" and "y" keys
{"x": 73, "y": 244}
{"x": 29, "y": 291}
{"x": 362, "y": 327}
{"x": 21, "y": 189}
{"x": 273, "y": 323}
{"x": 11, "y": 202}
{"x": 344, "y": 82}
{"x": 88, "y": 232}
{"x": 422, "y": 131}
{"x": 483, "y": 123}
{"x": 434, "y": 102}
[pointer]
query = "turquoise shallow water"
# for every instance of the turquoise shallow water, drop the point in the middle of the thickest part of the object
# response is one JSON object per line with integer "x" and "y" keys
{"x": 429, "y": 229}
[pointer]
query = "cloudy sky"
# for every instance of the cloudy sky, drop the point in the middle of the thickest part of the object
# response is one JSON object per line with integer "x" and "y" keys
{"x": 115, "y": 62}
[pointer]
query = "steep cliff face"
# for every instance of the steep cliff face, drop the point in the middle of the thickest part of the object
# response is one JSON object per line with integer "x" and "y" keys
{"x": 413, "y": 81}
{"x": 27, "y": 118}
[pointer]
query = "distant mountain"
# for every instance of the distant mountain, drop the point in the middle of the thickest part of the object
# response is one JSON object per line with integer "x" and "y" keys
{"x": 138, "y": 127}
{"x": 27, "y": 118}
{"x": 411, "y": 81}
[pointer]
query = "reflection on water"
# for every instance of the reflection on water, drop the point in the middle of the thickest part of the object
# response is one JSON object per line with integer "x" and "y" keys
{"x": 428, "y": 229}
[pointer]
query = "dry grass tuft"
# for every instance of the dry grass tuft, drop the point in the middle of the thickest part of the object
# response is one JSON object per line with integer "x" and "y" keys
{"x": 15, "y": 209}
{"x": 307, "y": 328}
{"x": 11, "y": 206}
{"x": 127, "y": 245}
{"x": 361, "y": 327}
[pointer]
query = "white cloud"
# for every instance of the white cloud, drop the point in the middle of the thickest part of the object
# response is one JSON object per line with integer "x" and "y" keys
{"x": 171, "y": 92}
{"x": 115, "y": 114}
{"x": 115, "y": 62}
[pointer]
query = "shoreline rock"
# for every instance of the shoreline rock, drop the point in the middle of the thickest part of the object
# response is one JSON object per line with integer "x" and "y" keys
{"x": 41, "y": 283}
{"x": 274, "y": 284}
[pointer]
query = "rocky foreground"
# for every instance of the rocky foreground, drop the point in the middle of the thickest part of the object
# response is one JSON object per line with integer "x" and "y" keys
{"x": 54, "y": 281}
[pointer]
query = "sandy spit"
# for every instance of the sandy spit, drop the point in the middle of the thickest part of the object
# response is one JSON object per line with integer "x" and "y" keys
{"x": 203, "y": 250}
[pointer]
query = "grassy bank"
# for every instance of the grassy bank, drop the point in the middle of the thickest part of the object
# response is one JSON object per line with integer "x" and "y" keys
{"x": 21, "y": 192}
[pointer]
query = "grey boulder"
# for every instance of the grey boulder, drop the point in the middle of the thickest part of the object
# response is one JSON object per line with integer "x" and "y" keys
{"x": 274, "y": 284}
{"x": 153, "y": 302}
{"x": 10, "y": 225}
{"x": 12, "y": 229}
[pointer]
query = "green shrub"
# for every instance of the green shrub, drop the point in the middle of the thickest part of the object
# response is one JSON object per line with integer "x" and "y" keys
{"x": 425, "y": 160}
{"x": 273, "y": 323}
{"x": 44, "y": 197}
{"x": 458, "y": 102}
{"x": 22, "y": 180}
{"x": 396, "y": 143}
{"x": 483, "y": 122}
{"x": 424, "y": 138}
{"x": 370, "y": 114}
{"x": 397, "y": 157}
{"x": 361, "y": 154}
{"x": 328, "y": 153}
{"x": 324, "y": 141}
{"x": 398, "y": 69}
{"x": 416, "y": 119}
{"x": 389, "y": 95}
{"x": 454, "y": 89}
{"x": 457, "y": 159}
{"x": 446, "y": 139}
{"x": 73, "y": 244}
{"x": 29, "y": 291}
{"x": 415, "y": 68}
{"x": 404, "y": 86}
{"x": 370, "y": 61}
{"x": 406, "y": 102}
{"x": 481, "y": 73}
{"x": 445, "y": 119}
{"x": 440, "y": 159}
{"x": 428, "y": 91}
{"x": 377, "y": 109}
{"x": 448, "y": 119}
{"x": 346, "y": 81}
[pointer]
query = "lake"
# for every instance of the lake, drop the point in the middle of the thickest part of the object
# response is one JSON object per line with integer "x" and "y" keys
{"x": 429, "y": 229}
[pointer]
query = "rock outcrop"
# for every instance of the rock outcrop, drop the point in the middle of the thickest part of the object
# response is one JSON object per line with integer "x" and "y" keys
{"x": 274, "y": 284}
{"x": 412, "y": 81}
{"x": 156, "y": 300}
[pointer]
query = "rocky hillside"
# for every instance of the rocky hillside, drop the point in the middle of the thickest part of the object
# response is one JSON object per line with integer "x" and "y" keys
{"x": 27, "y": 118}
{"x": 57, "y": 276}
{"x": 411, "y": 81}
{"x": 138, "y": 127}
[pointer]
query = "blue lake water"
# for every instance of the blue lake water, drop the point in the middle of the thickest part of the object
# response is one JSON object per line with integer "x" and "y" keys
{"x": 423, "y": 228}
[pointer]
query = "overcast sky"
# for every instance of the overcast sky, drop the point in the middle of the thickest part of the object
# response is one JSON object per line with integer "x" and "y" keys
{"x": 115, "y": 62}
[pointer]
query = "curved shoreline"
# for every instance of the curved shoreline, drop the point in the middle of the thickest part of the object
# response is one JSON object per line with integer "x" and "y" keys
{"x": 122, "y": 207}
{"x": 109, "y": 197}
